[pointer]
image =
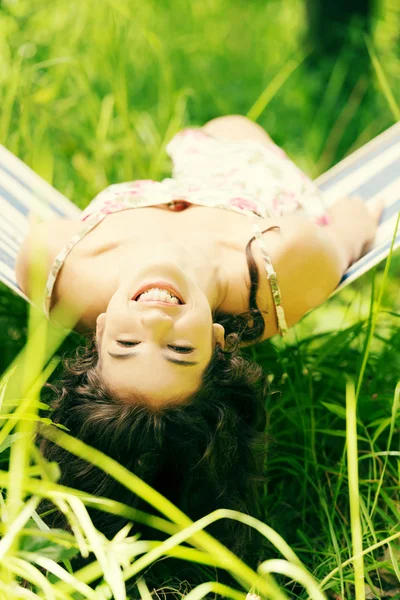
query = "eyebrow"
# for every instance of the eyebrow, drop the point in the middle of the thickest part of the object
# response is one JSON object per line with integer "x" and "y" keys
{"x": 176, "y": 361}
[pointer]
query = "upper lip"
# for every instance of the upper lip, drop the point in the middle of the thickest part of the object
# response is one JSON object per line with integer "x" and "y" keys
{"x": 167, "y": 288}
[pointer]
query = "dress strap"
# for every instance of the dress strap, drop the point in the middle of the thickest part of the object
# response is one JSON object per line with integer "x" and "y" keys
{"x": 90, "y": 222}
{"x": 272, "y": 278}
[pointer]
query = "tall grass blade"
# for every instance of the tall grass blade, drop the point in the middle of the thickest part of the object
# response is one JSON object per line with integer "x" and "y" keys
{"x": 354, "y": 499}
{"x": 99, "y": 546}
{"x": 17, "y": 592}
{"x": 143, "y": 590}
{"x": 277, "y": 565}
{"x": 273, "y": 88}
{"x": 395, "y": 411}
{"x": 25, "y": 405}
{"x": 56, "y": 493}
{"x": 3, "y": 387}
{"x": 231, "y": 563}
{"x": 14, "y": 527}
{"x": 9, "y": 100}
{"x": 52, "y": 567}
{"x": 213, "y": 586}
{"x": 383, "y": 82}
{"x": 350, "y": 560}
{"x": 335, "y": 542}
{"x": 377, "y": 309}
{"x": 23, "y": 569}
{"x": 395, "y": 562}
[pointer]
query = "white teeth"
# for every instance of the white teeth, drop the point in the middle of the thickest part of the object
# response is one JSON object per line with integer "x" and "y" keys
{"x": 157, "y": 294}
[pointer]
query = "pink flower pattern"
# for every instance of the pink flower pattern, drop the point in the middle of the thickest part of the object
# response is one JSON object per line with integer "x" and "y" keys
{"x": 245, "y": 176}
{"x": 323, "y": 220}
{"x": 243, "y": 203}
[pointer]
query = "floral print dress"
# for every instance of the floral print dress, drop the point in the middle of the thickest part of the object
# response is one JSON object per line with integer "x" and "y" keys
{"x": 244, "y": 176}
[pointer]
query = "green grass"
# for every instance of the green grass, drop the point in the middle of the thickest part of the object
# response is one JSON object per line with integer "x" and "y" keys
{"x": 90, "y": 93}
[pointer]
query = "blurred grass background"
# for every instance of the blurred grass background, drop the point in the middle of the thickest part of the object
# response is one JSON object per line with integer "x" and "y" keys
{"x": 90, "y": 94}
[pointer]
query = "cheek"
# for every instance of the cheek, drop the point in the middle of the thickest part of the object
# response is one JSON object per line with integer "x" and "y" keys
{"x": 116, "y": 317}
{"x": 203, "y": 325}
{"x": 114, "y": 307}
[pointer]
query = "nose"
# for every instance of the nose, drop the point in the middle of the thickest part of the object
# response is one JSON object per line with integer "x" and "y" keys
{"x": 156, "y": 321}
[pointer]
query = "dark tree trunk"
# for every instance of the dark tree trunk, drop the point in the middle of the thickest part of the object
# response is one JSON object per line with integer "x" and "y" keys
{"x": 339, "y": 60}
{"x": 337, "y": 23}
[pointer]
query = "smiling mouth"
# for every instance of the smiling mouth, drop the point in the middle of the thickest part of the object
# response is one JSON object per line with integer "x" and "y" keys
{"x": 162, "y": 285}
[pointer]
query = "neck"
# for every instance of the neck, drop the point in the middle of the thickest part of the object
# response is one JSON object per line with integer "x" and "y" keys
{"x": 202, "y": 267}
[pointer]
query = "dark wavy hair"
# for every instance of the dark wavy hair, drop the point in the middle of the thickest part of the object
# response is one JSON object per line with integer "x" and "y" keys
{"x": 206, "y": 454}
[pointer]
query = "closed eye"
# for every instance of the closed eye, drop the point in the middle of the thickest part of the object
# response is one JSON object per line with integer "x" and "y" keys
{"x": 179, "y": 349}
{"x": 182, "y": 349}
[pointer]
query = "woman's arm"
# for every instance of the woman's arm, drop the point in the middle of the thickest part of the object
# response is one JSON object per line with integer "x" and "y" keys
{"x": 353, "y": 224}
{"x": 42, "y": 244}
{"x": 310, "y": 260}
{"x": 309, "y": 263}
{"x": 236, "y": 127}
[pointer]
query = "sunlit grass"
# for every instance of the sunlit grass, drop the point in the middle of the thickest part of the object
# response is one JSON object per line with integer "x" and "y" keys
{"x": 119, "y": 559}
{"x": 90, "y": 95}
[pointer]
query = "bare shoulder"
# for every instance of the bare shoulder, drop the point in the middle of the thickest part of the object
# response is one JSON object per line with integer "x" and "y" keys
{"x": 44, "y": 239}
{"x": 308, "y": 266}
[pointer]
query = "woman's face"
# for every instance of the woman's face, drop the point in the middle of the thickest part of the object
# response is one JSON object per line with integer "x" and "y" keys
{"x": 156, "y": 350}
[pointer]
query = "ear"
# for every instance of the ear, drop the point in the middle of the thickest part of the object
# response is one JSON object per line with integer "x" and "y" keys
{"x": 219, "y": 334}
{"x": 100, "y": 322}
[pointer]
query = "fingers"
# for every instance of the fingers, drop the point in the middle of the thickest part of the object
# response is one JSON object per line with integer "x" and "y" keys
{"x": 376, "y": 208}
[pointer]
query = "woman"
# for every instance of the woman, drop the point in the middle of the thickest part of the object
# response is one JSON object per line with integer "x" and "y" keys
{"x": 201, "y": 255}
{"x": 172, "y": 290}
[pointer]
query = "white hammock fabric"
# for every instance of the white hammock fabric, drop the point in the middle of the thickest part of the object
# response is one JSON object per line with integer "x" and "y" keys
{"x": 371, "y": 172}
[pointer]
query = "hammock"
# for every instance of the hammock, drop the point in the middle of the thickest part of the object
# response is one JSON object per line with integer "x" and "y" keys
{"x": 373, "y": 171}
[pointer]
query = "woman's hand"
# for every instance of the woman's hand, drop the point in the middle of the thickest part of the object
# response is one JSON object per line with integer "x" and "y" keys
{"x": 353, "y": 223}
